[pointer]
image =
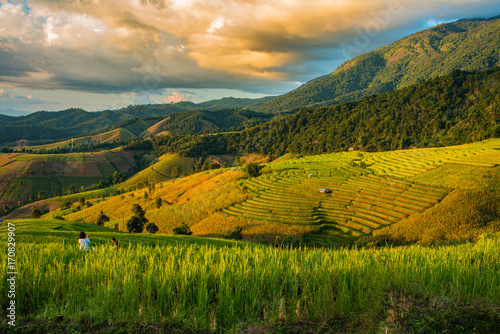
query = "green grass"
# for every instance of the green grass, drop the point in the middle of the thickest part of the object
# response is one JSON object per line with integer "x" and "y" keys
{"x": 22, "y": 188}
{"x": 50, "y": 157}
{"x": 42, "y": 231}
{"x": 207, "y": 285}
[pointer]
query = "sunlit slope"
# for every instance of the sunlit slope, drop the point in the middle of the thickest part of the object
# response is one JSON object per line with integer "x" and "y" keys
{"x": 119, "y": 134}
{"x": 162, "y": 170}
{"x": 44, "y": 231}
{"x": 44, "y": 175}
{"x": 368, "y": 191}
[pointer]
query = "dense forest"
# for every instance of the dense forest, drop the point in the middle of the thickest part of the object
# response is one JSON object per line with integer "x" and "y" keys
{"x": 457, "y": 108}
{"x": 72, "y": 123}
{"x": 207, "y": 121}
{"x": 464, "y": 45}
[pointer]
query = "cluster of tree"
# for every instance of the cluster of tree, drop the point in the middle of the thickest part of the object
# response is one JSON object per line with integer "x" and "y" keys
{"x": 206, "y": 121}
{"x": 413, "y": 59}
{"x": 457, "y": 108}
{"x": 44, "y": 127}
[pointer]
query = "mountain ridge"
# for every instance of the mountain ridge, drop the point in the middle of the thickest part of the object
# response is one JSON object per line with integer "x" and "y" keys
{"x": 423, "y": 55}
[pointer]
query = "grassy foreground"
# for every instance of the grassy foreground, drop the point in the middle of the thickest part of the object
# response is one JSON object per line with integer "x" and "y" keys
{"x": 232, "y": 287}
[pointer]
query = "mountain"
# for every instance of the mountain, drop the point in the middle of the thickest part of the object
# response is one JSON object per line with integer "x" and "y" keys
{"x": 45, "y": 126}
{"x": 13, "y": 112}
{"x": 232, "y": 102}
{"x": 460, "y": 107}
{"x": 464, "y": 44}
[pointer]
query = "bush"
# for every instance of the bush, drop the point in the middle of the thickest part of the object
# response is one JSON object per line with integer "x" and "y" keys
{"x": 183, "y": 230}
{"x": 252, "y": 169}
{"x": 35, "y": 213}
{"x": 151, "y": 228}
{"x": 159, "y": 202}
{"x": 235, "y": 234}
{"x": 66, "y": 205}
{"x": 101, "y": 219}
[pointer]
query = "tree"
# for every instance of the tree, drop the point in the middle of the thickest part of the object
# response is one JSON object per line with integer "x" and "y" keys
{"x": 137, "y": 222}
{"x": 174, "y": 172}
{"x": 159, "y": 202}
{"x": 101, "y": 219}
{"x": 151, "y": 228}
{"x": 252, "y": 169}
{"x": 183, "y": 230}
{"x": 71, "y": 190}
{"x": 66, "y": 205}
{"x": 82, "y": 200}
{"x": 35, "y": 213}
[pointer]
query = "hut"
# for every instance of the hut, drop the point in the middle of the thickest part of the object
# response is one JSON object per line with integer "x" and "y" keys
{"x": 324, "y": 191}
{"x": 311, "y": 175}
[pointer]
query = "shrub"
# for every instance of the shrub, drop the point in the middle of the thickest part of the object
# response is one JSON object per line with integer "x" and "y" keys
{"x": 252, "y": 169}
{"x": 101, "y": 219}
{"x": 235, "y": 234}
{"x": 183, "y": 230}
{"x": 151, "y": 228}
{"x": 159, "y": 202}
{"x": 66, "y": 205}
{"x": 35, "y": 213}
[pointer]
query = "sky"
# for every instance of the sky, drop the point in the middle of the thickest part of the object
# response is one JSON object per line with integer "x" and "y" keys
{"x": 108, "y": 54}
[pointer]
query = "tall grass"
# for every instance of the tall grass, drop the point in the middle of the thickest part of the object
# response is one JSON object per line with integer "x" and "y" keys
{"x": 220, "y": 288}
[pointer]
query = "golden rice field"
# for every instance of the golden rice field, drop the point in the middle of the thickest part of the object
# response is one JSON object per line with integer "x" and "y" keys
{"x": 367, "y": 192}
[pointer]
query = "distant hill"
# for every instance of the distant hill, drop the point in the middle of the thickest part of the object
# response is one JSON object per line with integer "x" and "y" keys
{"x": 461, "y": 107}
{"x": 13, "y": 112}
{"x": 232, "y": 102}
{"x": 464, "y": 44}
{"x": 196, "y": 122}
{"x": 44, "y": 126}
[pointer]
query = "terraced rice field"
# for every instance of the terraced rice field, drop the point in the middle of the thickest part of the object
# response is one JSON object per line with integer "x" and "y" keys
{"x": 360, "y": 199}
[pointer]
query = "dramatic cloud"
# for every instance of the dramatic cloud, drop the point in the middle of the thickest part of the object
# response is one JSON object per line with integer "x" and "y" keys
{"x": 265, "y": 46}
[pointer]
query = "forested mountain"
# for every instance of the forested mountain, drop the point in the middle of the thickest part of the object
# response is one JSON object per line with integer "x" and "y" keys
{"x": 458, "y": 108}
{"x": 232, "y": 102}
{"x": 464, "y": 44}
{"x": 205, "y": 121}
{"x": 44, "y": 125}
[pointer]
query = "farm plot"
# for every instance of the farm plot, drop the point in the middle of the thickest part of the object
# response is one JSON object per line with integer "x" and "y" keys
{"x": 119, "y": 162}
{"x": 358, "y": 201}
{"x": 103, "y": 163}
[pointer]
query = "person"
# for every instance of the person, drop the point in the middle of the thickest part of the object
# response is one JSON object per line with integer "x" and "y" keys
{"x": 94, "y": 247}
{"x": 84, "y": 241}
{"x": 115, "y": 243}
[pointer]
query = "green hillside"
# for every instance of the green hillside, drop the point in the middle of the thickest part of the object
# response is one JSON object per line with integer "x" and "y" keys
{"x": 30, "y": 177}
{"x": 162, "y": 170}
{"x": 54, "y": 230}
{"x": 464, "y": 44}
{"x": 205, "y": 121}
{"x": 48, "y": 127}
{"x": 368, "y": 194}
{"x": 453, "y": 109}
{"x": 232, "y": 102}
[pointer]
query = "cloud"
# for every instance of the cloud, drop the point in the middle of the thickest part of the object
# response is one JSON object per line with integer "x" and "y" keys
{"x": 176, "y": 97}
{"x": 147, "y": 45}
{"x": 9, "y": 98}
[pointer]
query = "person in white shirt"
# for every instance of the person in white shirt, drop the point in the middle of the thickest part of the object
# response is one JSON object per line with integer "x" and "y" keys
{"x": 84, "y": 241}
